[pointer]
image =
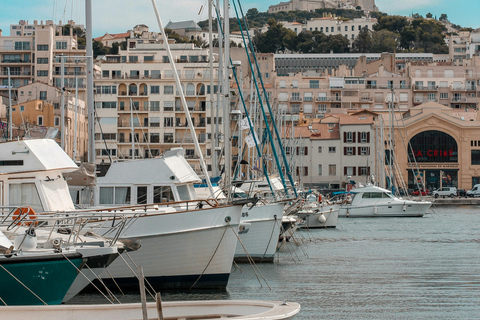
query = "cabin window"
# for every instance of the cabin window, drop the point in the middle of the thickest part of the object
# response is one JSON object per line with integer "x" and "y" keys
{"x": 25, "y": 194}
{"x": 183, "y": 193}
{"x": 114, "y": 195}
{"x": 142, "y": 194}
{"x": 162, "y": 194}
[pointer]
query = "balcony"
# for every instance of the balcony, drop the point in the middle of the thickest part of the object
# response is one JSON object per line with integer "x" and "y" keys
{"x": 16, "y": 73}
{"x": 425, "y": 88}
{"x": 17, "y": 61}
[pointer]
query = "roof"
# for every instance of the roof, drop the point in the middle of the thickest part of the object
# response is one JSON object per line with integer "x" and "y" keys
{"x": 187, "y": 25}
{"x": 317, "y": 131}
{"x": 113, "y": 36}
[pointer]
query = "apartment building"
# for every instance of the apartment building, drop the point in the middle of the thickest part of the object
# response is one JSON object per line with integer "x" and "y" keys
{"x": 38, "y": 104}
{"x": 332, "y": 26}
{"x": 32, "y": 53}
{"x": 138, "y": 104}
{"x": 334, "y": 150}
{"x": 464, "y": 45}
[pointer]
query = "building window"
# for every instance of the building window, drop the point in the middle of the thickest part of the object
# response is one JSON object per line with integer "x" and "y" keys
{"x": 154, "y": 122}
{"x": 364, "y": 151}
{"x": 40, "y": 120}
{"x": 61, "y": 45}
{"x": 155, "y": 137}
{"x": 432, "y": 96}
{"x": 42, "y": 60}
{"x": 155, "y": 89}
{"x": 133, "y": 59}
{"x": 56, "y": 121}
{"x": 42, "y": 47}
{"x": 168, "y": 90}
{"x": 332, "y": 149}
{"x": 314, "y": 84}
{"x": 444, "y": 95}
{"x": 349, "y": 171}
{"x": 106, "y": 73}
{"x": 319, "y": 169}
{"x": 42, "y": 73}
{"x": 363, "y": 171}
{"x": 319, "y": 149}
{"x": 349, "y": 136}
{"x": 349, "y": 151}
{"x": 168, "y": 122}
{"x": 168, "y": 137}
{"x": 475, "y": 157}
{"x": 332, "y": 169}
{"x": 364, "y": 137}
{"x": 43, "y": 95}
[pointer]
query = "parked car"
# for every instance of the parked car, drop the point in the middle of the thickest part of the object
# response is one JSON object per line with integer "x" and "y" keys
{"x": 445, "y": 192}
{"x": 423, "y": 192}
{"x": 461, "y": 193}
{"x": 474, "y": 192}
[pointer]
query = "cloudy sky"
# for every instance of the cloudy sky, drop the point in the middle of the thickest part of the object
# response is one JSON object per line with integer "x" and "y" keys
{"x": 115, "y": 16}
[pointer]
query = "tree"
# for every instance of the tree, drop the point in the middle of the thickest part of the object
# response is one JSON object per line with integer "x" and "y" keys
{"x": 443, "y": 17}
{"x": 337, "y": 44}
{"x": 274, "y": 40}
{"x": 429, "y": 16}
{"x": 363, "y": 42}
{"x": 99, "y": 49}
{"x": 384, "y": 41}
{"x": 391, "y": 23}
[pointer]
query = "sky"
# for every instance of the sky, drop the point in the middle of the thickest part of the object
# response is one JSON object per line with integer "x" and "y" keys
{"x": 117, "y": 16}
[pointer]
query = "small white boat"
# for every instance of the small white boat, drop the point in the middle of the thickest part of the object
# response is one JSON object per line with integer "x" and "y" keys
{"x": 317, "y": 214}
{"x": 211, "y": 309}
{"x": 373, "y": 201}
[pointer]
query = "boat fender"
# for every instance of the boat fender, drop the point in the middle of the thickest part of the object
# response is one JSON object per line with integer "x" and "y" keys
{"x": 404, "y": 207}
{"x": 320, "y": 198}
{"x": 20, "y": 214}
{"x": 321, "y": 218}
{"x": 27, "y": 241}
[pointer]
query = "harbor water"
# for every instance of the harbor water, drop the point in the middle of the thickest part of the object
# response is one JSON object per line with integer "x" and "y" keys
{"x": 367, "y": 268}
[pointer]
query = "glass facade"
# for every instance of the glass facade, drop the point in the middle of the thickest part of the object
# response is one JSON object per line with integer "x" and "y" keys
{"x": 433, "y": 146}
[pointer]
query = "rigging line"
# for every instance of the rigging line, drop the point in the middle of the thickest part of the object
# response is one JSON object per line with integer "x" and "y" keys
{"x": 211, "y": 258}
{"x": 251, "y": 262}
{"x": 267, "y": 126}
{"x": 269, "y": 108}
{"x": 271, "y": 236}
{"x": 18, "y": 280}
{"x": 252, "y": 131}
{"x": 103, "y": 138}
{"x": 110, "y": 293}
{"x": 80, "y": 271}
{"x": 134, "y": 273}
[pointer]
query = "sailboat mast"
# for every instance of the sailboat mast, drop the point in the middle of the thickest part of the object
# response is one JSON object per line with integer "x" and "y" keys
{"x": 212, "y": 113}
{"x": 90, "y": 105}
{"x": 10, "y": 127}
{"x": 226, "y": 93}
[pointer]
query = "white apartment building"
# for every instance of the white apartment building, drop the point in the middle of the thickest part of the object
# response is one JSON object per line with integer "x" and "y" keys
{"x": 34, "y": 56}
{"x": 330, "y": 26}
{"x": 139, "y": 107}
{"x": 330, "y": 151}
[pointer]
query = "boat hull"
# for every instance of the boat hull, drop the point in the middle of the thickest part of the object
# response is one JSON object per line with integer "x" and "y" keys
{"x": 260, "y": 241}
{"x": 313, "y": 220}
{"x": 48, "y": 277}
{"x": 212, "y": 309}
{"x": 394, "y": 209}
{"x": 180, "y": 250}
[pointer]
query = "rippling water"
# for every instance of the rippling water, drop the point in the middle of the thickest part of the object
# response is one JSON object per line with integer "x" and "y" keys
{"x": 369, "y": 268}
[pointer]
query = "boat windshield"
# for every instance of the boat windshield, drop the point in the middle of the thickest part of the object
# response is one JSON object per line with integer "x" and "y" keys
{"x": 376, "y": 195}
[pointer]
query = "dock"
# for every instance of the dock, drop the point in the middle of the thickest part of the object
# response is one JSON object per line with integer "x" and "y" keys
{"x": 447, "y": 201}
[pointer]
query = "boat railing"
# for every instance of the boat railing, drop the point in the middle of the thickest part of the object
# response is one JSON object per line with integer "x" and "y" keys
{"x": 73, "y": 224}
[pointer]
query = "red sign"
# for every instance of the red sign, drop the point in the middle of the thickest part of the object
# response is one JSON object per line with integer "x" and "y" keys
{"x": 433, "y": 153}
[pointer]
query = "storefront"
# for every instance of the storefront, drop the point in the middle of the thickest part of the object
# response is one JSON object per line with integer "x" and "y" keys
{"x": 436, "y": 155}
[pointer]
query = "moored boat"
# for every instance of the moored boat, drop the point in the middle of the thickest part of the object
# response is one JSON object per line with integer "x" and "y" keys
{"x": 212, "y": 309}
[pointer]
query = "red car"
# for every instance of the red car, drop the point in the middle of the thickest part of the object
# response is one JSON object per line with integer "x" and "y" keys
{"x": 424, "y": 192}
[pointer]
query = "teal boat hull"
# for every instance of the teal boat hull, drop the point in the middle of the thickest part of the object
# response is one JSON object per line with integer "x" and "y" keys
{"x": 49, "y": 278}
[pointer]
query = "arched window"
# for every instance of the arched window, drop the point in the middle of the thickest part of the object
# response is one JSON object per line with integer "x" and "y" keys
{"x": 433, "y": 146}
{"x": 190, "y": 89}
